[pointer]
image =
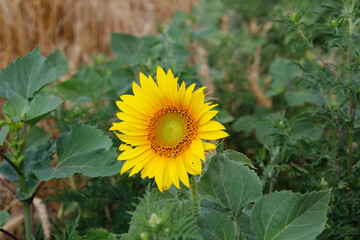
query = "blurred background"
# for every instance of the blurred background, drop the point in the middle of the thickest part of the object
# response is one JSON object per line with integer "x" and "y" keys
{"x": 78, "y": 28}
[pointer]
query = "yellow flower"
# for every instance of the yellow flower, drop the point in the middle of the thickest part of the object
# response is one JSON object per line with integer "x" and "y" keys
{"x": 164, "y": 127}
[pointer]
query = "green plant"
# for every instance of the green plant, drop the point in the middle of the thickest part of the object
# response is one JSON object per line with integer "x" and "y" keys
{"x": 25, "y": 86}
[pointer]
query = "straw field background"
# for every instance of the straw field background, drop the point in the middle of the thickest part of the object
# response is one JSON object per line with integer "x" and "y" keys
{"x": 80, "y": 29}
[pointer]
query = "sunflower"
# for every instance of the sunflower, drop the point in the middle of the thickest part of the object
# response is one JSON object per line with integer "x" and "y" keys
{"x": 164, "y": 128}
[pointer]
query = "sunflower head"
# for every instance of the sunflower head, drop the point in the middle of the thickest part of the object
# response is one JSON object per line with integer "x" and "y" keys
{"x": 164, "y": 128}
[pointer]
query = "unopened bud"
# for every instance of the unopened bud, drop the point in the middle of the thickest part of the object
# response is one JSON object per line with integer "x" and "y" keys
{"x": 144, "y": 236}
{"x": 154, "y": 220}
{"x": 294, "y": 18}
{"x": 334, "y": 23}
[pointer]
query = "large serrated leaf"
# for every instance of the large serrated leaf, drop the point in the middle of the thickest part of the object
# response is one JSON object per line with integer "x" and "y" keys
{"x": 58, "y": 60}
{"x": 286, "y": 215}
{"x": 239, "y": 157}
{"x": 27, "y": 75}
{"x": 230, "y": 183}
{"x": 83, "y": 150}
{"x": 215, "y": 225}
{"x": 71, "y": 89}
{"x": 41, "y": 105}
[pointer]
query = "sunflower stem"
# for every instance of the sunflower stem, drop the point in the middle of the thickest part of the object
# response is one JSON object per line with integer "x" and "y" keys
{"x": 194, "y": 193}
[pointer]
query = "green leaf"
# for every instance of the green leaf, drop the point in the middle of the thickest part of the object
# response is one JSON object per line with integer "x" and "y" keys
{"x": 3, "y": 133}
{"x": 4, "y": 216}
{"x": 71, "y": 89}
{"x": 239, "y": 157}
{"x": 34, "y": 155}
{"x": 243, "y": 223}
{"x": 215, "y": 225}
{"x": 59, "y": 61}
{"x": 15, "y": 106}
{"x": 8, "y": 171}
{"x": 224, "y": 117}
{"x": 130, "y": 49}
{"x": 305, "y": 126}
{"x": 299, "y": 98}
{"x": 95, "y": 234}
{"x": 40, "y": 106}
{"x": 96, "y": 85}
{"x": 27, "y": 75}
{"x": 286, "y": 215}
{"x": 230, "y": 183}
{"x": 282, "y": 72}
{"x": 245, "y": 124}
{"x": 36, "y": 137}
{"x": 83, "y": 150}
{"x": 124, "y": 45}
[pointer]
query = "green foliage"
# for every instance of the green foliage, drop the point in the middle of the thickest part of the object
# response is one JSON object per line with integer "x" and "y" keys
{"x": 3, "y": 132}
{"x": 216, "y": 225}
{"x": 229, "y": 183}
{"x": 4, "y": 216}
{"x": 70, "y": 232}
{"x": 80, "y": 151}
{"x": 26, "y": 76}
{"x": 170, "y": 218}
{"x": 285, "y": 215}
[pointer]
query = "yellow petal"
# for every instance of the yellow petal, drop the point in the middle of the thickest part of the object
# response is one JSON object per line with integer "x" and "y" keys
{"x": 211, "y": 126}
{"x": 133, "y": 140}
{"x": 129, "y": 129}
{"x": 166, "y": 181}
{"x": 187, "y": 96}
{"x": 192, "y": 163}
{"x": 182, "y": 172}
{"x": 138, "y": 104}
{"x": 206, "y": 108}
{"x": 123, "y": 147}
{"x": 133, "y": 152}
{"x": 131, "y": 163}
{"x": 197, "y": 148}
{"x": 208, "y": 146}
{"x": 213, "y": 135}
{"x": 181, "y": 93}
{"x": 151, "y": 166}
{"x": 131, "y": 119}
{"x": 130, "y": 110}
{"x": 150, "y": 88}
{"x": 197, "y": 101}
{"x": 172, "y": 165}
{"x": 167, "y": 84}
{"x": 207, "y": 117}
{"x": 159, "y": 175}
{"x": 145, "y": 96}
{"x": 139, "y": 165}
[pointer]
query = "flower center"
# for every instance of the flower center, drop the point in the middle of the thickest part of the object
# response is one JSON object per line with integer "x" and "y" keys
{"x": 171, "y": 131}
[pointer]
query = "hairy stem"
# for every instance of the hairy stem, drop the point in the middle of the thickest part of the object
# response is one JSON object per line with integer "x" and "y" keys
{"x": 351, "y": 102}
{"x": 194, "y": 193}
{"x": 27, "y": 218}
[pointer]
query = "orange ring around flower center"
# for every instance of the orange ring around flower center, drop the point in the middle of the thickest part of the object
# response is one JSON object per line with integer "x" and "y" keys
{"x": 171, "y": 131}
